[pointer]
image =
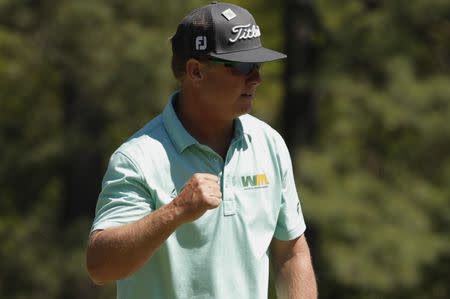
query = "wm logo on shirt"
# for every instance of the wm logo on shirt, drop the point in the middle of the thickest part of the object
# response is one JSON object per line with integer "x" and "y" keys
{"x": 255, "y": 181}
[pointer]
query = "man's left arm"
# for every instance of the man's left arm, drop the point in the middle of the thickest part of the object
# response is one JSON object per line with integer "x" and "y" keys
{"x": 294, "y": 274}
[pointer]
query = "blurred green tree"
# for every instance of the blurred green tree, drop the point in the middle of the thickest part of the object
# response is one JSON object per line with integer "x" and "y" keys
{"x": 76, "y": 78}
{"x": 375, "y": 176}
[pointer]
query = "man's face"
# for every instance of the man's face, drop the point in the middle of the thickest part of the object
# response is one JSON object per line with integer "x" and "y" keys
{"x": 229, "y": 93}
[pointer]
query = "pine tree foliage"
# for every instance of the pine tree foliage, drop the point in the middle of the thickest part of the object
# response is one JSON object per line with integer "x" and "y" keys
{"x": 375, "y": 181}
{"x": 78, "y": 77}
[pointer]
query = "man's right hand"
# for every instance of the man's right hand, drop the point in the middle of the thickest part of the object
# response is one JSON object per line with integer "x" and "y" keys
{"x": 200, "y": 193}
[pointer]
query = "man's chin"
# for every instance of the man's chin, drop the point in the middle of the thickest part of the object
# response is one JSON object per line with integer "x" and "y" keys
{"x": 244, "y": 111}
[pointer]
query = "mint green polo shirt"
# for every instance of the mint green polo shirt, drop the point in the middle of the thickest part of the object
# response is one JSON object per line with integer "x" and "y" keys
{"x": 224, "y": 253}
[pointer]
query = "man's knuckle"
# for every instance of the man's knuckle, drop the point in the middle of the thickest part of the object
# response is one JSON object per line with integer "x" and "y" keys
{"x": 203, "y": 189}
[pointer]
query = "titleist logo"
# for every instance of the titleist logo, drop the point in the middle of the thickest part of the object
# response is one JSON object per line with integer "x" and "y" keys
{"x": 245, "y": 32}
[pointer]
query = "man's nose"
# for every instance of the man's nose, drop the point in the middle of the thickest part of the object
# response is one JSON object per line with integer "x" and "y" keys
{"x": 254, "y": 77}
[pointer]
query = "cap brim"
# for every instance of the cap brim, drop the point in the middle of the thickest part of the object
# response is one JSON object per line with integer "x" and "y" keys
{"x": 253, "y": 55}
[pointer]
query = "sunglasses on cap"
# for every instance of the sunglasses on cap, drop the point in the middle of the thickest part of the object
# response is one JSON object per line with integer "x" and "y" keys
{"x": 242, "y": 68}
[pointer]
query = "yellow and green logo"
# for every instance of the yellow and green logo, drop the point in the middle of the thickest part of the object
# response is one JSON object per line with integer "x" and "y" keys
{"x": 255, "y": 181}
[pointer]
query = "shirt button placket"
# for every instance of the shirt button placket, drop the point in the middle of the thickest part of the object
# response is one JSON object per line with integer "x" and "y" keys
{"x": 229, "y": 205}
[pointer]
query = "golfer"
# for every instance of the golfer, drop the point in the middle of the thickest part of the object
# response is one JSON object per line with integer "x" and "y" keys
{"x": 200, "y": 200}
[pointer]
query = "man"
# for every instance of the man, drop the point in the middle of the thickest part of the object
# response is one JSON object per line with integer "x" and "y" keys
{"x": 195, "y": 203}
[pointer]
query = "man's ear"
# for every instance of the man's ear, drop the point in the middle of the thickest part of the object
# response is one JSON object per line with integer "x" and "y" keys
{"x": 194, "y": 70}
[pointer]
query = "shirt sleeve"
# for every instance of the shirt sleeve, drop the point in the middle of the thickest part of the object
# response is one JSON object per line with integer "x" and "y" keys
{"x": 290, "y": 223}
{"x": 124, "y": 197}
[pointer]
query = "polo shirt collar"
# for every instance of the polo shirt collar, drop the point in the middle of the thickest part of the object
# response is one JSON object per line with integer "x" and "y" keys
{"x": 238, "y": 129}
{"x": 178, "y": 134}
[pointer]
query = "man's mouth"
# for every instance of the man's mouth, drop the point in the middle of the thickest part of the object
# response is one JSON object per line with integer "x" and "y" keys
{"x": 247, "y": 94}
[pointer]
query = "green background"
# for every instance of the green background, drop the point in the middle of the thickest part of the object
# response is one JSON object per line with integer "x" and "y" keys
{"x": 78, "y": 77}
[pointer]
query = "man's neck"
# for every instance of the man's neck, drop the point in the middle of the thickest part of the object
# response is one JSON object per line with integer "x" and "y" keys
{"x": 204, "y": 126}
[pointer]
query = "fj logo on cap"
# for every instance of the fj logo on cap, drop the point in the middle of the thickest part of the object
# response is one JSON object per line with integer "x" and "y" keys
{"x": 229, "y": 14}
{"x": 245, "y": 32}
{"x": 200, "y": 43}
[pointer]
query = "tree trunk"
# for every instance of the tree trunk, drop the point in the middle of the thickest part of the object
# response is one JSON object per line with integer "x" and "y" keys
{"x": 299, "y": 111}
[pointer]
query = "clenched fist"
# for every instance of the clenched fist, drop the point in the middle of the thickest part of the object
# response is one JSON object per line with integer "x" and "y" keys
{"x": 200, "y": 193}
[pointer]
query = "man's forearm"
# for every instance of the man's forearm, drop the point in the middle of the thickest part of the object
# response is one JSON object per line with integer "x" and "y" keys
{"x": 294, "y": 274}
{"x": 117, "y": 252}
{"x": 296, "y": 280}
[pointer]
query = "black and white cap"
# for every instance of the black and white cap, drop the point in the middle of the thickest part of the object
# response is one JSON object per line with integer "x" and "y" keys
{"x": 224, "y": 31}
